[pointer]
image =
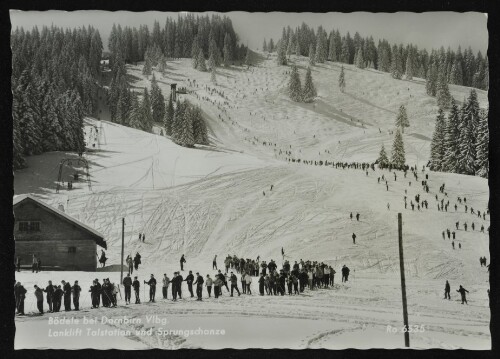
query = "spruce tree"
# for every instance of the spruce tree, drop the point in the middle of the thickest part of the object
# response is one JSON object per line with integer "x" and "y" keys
{"x": 213, "y": 79}
{"x": 294, "y": 85}
{"x": 344, "y": 54}
{"x": 409, "y": 66}
{"x": 264, "y": 46}
{"x": 452, "y": 139}
{"x": 169, "y": 117}
{"x": 281, "y": 53}
{"x": 228, "y": 55}
{"x": 438, "y": 151}
{"x": 342, "y": 80}
{"x": 157, "y": 101}
{"x": 248, "y": 62}
{"x": 309, "y": 91}
{"x": 135, "y": 114}
{"x": 185, "y": 122}
{"x": 431, "y": 81}
{"x": 297, "y": 49}
{"x": 468, "y": 126}
{"x": 146, "y": 70}
{"x": 332, "y": 50}
{"x": 201, "y": 61}
{"x": 195, "y": 50}
{"x": 442, "y": 92}
{"x": 383, "y": 160}
{"x": 200, "y": 132}
{"x": 398, "y": 150}
{"x": 482, "y": 140}
{"x": 359, "y": 60}
{"x": 147, "y": 116}
{"x": 396, "y": 64}
{"x": 402, "y": 119}
{"x": 312, "y": 55}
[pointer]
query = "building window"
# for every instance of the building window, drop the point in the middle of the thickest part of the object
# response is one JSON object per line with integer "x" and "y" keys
{"x": 71, "y": 249}
{"x": 29, "y": 226}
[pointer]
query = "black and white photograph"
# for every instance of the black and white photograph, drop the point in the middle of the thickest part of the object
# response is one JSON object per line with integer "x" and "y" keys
{"x": 212, "y": 180}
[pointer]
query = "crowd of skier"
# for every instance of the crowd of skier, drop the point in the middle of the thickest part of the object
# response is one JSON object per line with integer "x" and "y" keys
{"x": 290, "y": 279}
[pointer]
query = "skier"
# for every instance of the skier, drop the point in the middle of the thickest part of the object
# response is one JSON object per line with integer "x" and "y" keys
{"x": 76, "y": 289}
{"x": 262, "y": 280}
{"x": 39, "y": 298}
{"x": 50, "y": 294}
{"x": 182, "y": 261}
{"x": 20, "y": 295}
{"x": 136, "y": 284}
{"x": 351, "y": 216}
{"x": 137, "y": 260}
{"x": 199, "y": 286}
{"x": 67, "y": 295}
{"x": 208, "y": 284}
{"x": 234, "y": 284}
{"x": 459, "y": 245}
{"x": 353, "y": 238}
{"x": 127, "y": 284}
{"x": 214, "y": 263}
{"x": 130, "y": 264}
{"x": 443, "y": 235}
{"x": 447, "y": 290}
{"x": 345, "y": 273}
{"x": 357, "y": 216}
{"x": 248, "y": 283}
{"x": 103, "y": 258}
{"x": 453, "y": 244}
{"x": 166, "y": 282}
{"x": 143, "y": 238}
{"x": 462, "y": 292}
{"x": 189, "y": 279}
{"x": 34, "y": 266}
{"x": 152, "y": 288}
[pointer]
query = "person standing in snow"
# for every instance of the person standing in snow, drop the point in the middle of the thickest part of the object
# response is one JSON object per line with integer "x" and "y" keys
{"x": 357, "y": 216}
{"x": 152, "y": 288}
{"x": 214, "y": 263}
{"x": 189, "y": 279}
{"x": 462, "y": 292}
{"x": 166, "y": 283}
{"x": 137, "y": 260}
{"x": 447, "y": 290}
{"x": 351, "y": 216}
{"x": 136, "y": 284}
{"x": 199, "y": 286}
{"x": 208, "y": 284}
{"x": 127, "y": 284}
{"x": 39, "y": 298}
{"x": 76, "y": 289}
{"x": 248, "y": 283}
{"x": 345, "y": 273}
{"x": 353, "y": 238}
{"x": 234, "y": 284}
{"x": 453, "y": 244}
{"x": 182, "y": 261}
{"x": 262, "y": 280}
{"x": 130, "y": 263}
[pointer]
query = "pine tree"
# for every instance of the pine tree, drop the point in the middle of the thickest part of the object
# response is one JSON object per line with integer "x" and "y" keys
{"x": 248, "y": 62}
{"x": 281, "y": 53}
{"x": 157, "y": 101}
{"x": 482, "y": 140}
{"x": 396, "y": 64}
{"x": 452, "y": 139}
{"x": 442, "y": 92}
{"x": 195, "y": 50}
{"x": 147, "y": 116}
{"x": 291, "y": 46}
{"x": 213, "y": 79}
{"x": 468, "y": 126}
{"x": 342, "y": 80}
{"x": 456, "y": 76}
{"x": 431, "y": 81}
{"x": 185, "y": 121}
{"x": 398, "y": 151}
{"x": 438, "y": 152}
{"x": 332, "y": 50}
{"x": 359, "y": 60}
{"x": 320, "y": 53}
{"x": 312, "y": 55}
{"x": 200, "y": 132}
{"x": 135, "y": 114}
{"x": 383, "y": 160}
{"x": 169, "y": 117}
{"x": 146, "y": 70}
{"x": 409, "y": 66}
{"x": 309, "y": 91}
{"x": 211, "y": 63}
{"x": 297, "y": 49}
{"x": 402, "y": 119}
{"x": 344, "y": 56}
{"x": 162, "y": 65}
{"x": 294, "y": 85}
{"x": 228, "y": 54}
{"x": 201, "y": 61}
{"x": 264, "y": 46}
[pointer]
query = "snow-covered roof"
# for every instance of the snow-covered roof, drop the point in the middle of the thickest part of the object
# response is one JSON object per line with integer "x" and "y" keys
{"x": 99, "y": 237}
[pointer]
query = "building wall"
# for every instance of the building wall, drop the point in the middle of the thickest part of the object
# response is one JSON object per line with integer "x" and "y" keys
{"x": 52, "y": 242}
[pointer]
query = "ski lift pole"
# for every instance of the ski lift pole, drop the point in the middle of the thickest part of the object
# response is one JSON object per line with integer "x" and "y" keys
{"x": 123, "y": 245}
{"x": 403, "y": 281}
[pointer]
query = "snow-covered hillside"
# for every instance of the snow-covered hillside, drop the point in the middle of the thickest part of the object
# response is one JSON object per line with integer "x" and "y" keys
{"x": 218, "y": 200}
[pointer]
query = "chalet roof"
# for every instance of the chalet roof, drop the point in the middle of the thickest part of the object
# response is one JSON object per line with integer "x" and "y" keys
{"x": 26, "y": 197}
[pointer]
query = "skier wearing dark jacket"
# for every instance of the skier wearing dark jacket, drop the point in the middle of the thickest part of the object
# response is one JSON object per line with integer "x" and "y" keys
{"x": 67, "y": 295}
{"x": 261, "y": 284}
{"x": 50, "y": 295}
{"x": 152, "y": 288}
{"x": 137, "y": 285}
{"x": 199, "y": 286}
{"x": 189, "y": 279}
{"x": 462, "y": 292}
{"x": 447, "y": 290}
{"x": 234, "y": 284}
{"x": 182, "y": 261}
